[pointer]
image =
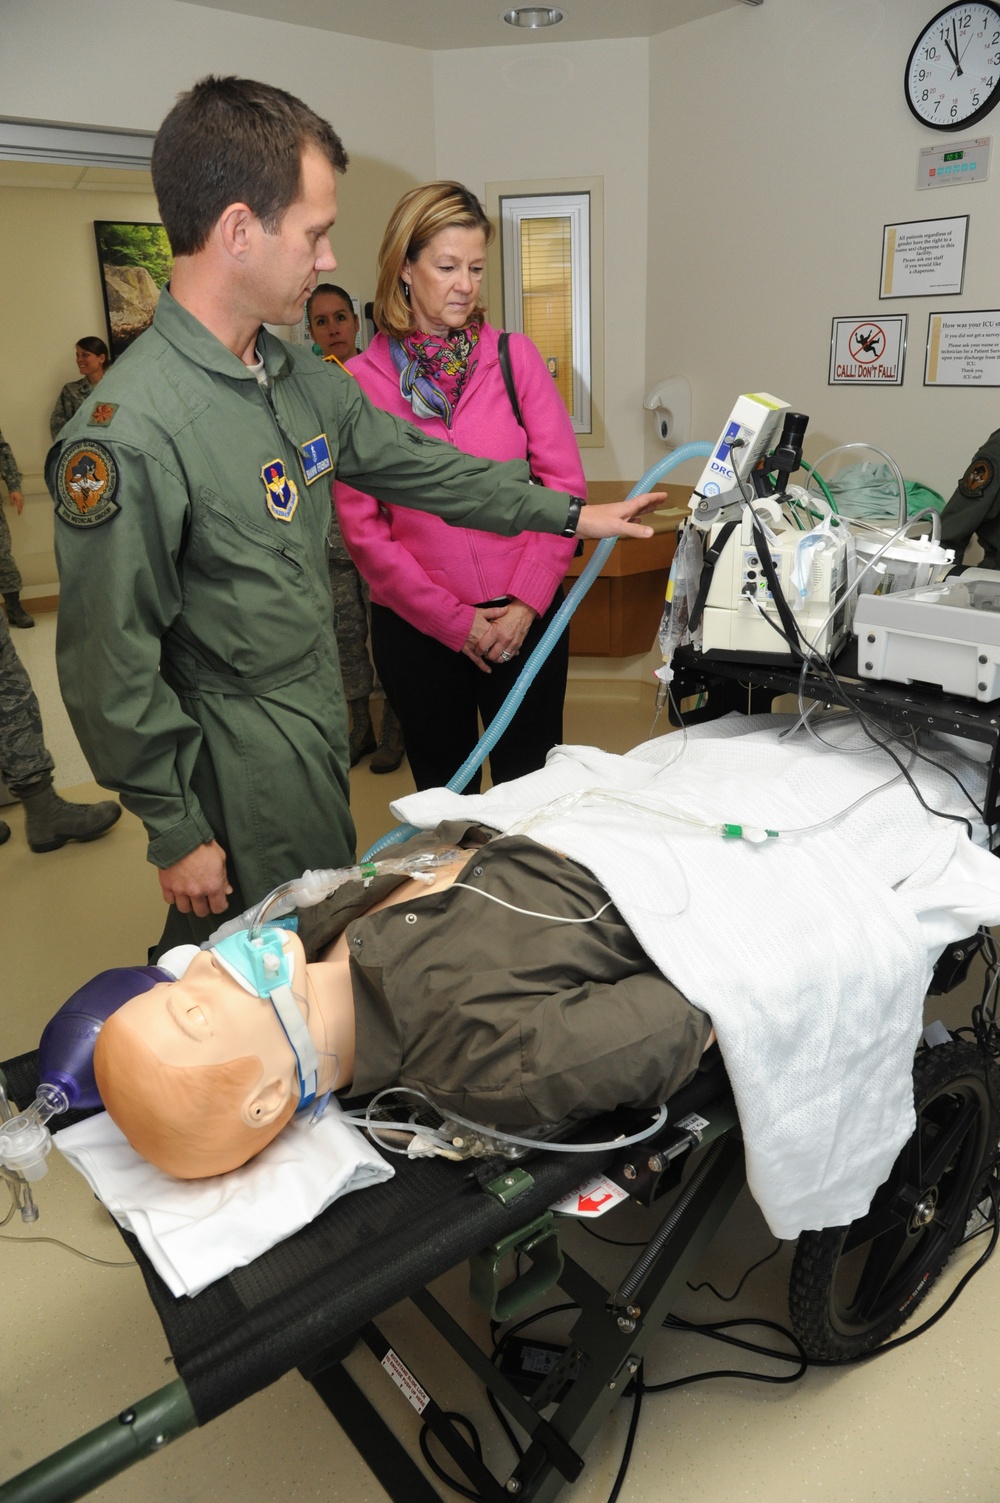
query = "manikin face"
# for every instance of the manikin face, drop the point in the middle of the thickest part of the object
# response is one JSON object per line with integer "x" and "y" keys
{"x": 282, "y": 269}
{"x": 333, "y": 324}
{"x": 445, "y": 279}
{"x": 208, "y": 1018}
{"x": 91, "y": 366}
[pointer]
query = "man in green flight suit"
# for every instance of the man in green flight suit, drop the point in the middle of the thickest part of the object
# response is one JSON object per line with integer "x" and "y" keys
{"x": 196, "y": 649}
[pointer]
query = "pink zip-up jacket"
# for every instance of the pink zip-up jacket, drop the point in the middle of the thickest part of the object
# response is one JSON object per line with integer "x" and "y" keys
{"x": 432, "y": 574}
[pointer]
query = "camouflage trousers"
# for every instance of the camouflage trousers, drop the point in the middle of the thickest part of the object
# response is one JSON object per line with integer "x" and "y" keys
{"x": 350, "y": 616}
{"x": 23, "y": 755}
{"x": 10, "y": 574}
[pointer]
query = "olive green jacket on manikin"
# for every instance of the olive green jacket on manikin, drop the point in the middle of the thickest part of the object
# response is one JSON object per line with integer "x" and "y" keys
{"x": 196, "y": 650}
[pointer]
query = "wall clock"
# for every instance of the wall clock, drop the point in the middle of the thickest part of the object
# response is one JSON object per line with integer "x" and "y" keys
{"x": 953, "y": 72}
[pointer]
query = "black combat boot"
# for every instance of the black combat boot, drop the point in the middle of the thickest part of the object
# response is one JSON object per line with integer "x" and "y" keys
{"x": 4, "y": 833}
{"x": 16, "y": 614}
{"x": 49, "y": 821}
{"x": 362, "y": 735}
{"x": 390, "y": 743}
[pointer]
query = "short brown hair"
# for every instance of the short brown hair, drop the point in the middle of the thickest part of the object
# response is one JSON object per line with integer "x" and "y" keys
{"x": 233, "y": 140}
{"x": 416, "y": 219}
{"x": 203, "y": 1136}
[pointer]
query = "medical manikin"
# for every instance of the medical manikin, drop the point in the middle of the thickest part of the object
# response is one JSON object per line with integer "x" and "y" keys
{"x": 502, "y": 1014}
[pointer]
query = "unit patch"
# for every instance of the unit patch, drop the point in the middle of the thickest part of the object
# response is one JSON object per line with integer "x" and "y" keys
{"x": 280, "y": 491}
{"x": 87, "y": 483}
{"x": 102, "y": 414}
{"x": 314, "y": 458}
{"x": 977, "y": 477}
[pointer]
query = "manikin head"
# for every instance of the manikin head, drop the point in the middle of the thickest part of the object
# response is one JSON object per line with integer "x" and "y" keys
{"x": 199, "y": 1073}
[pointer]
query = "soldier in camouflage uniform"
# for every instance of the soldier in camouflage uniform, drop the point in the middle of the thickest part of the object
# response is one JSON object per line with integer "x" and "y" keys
{"x": 333, "y": 325}
{"x": 975, "y": 506}
{"x": 10, "y": 574}
{"x": 26, "y": 765}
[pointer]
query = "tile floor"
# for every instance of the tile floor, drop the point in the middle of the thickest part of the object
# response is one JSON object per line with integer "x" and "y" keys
{"x": 81, "y": 1341}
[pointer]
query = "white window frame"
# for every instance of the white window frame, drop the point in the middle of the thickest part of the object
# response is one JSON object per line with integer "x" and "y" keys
{"x": 576, "y": 208}
{"x": 543, "y": 198}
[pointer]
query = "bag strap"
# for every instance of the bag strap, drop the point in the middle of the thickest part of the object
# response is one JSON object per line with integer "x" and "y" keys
{"x": 508, "y": 375}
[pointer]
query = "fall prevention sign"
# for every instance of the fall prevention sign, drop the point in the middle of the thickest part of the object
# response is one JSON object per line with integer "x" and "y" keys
{"x": 868, "y": 351}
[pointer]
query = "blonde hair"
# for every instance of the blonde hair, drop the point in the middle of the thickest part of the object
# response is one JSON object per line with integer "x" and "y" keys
{"x": 185, "y": 1120}
{"x": 417, "y": 218}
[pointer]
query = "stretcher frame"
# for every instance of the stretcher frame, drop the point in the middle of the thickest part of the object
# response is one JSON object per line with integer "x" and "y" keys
{"x": 298, "y": 1319}
{"x": 314, "y": 1328}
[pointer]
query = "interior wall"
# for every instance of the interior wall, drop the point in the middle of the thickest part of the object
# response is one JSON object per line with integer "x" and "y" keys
{"x": 566, "y": 111}
{"x": 781, "y": 145}
{"x": 50, "y": 296}
{"x": 135, "y": 57}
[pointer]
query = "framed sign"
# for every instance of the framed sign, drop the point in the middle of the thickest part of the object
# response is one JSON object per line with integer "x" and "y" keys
{"x": 924, "y": 257}
{"x": 868, "y": 351}
{"x": 963, "y": 349}
{"x": 136, "y": 262}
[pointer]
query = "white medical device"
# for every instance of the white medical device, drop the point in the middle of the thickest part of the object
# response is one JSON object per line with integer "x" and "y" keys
{"x": 811, "y": 569}
{"x": 945, "y": 634}
{"x": 773, "y": 583}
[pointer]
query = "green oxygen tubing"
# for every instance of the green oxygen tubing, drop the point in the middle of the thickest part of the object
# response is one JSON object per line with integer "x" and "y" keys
{"x": 697, "y": 450}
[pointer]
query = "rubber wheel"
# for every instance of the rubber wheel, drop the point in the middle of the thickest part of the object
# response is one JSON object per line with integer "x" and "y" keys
{"x": 852, "y": 1286}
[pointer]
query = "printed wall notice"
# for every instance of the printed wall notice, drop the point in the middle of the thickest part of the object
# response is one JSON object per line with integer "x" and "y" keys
{"x": 963, "y": 349}
{"x": 867, "y": 351}
{"x": 924, "y": 258}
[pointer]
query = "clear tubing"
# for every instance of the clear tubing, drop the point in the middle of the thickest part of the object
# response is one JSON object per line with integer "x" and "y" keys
{"x": 874, "y": 448}
{"x": 696, "y": 450}
{"x": 493, "y": 1132}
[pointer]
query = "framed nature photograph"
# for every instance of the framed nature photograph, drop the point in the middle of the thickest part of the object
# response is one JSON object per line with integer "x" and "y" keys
{"x": 136, "y": 262}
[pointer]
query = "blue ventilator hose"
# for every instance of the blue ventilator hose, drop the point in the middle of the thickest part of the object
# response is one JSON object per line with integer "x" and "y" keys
{"x": 697, "y": 450}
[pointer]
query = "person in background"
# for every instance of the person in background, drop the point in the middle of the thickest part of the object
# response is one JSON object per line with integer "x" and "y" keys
{"x": 26, "y": 766}
{"x": 10, "y": 574}
{"x": 451, "y": 612}
{"x": 333, "y": 325}
{"x": 92, "y": 360}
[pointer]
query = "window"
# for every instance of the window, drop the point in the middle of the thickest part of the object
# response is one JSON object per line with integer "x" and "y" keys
{"x": 547, "y": 271}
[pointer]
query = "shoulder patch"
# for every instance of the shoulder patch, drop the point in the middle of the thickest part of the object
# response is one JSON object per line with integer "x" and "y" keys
{"x": 102, "y": 414}
{"x": 87, "y": 483}
{"x": 977, "y": 477}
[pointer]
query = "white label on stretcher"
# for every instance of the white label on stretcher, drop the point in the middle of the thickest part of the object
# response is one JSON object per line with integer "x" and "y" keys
{"x": 593, "y": 1198}
{"x": 405, "y": 1381}
{"x": 692, "y": 1123}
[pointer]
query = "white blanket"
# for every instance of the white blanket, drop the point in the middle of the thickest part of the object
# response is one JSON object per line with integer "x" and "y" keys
{"x": 811, "y": 952}
{"x": 196, "y": 1231}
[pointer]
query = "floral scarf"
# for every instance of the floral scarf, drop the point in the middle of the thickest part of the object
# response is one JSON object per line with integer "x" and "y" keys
{"x": 434, "y": 368}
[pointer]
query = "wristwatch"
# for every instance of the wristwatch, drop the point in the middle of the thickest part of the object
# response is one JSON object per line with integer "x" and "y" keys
{"x": 576, "y": 505}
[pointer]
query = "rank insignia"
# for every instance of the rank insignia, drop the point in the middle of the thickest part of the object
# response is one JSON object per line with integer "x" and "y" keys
{"x": 280, "y": 492}
{"x": 977, "y": 477}
{"x": 314, "y": 458}
{"x": 102, "y": 414}
{"x": 87, "y": 483}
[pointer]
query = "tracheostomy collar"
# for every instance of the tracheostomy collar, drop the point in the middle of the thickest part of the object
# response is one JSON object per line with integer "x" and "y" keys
{"x": 263, "y": 967}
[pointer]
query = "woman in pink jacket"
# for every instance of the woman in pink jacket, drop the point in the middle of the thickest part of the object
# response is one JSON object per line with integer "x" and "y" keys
{"x": 455, "y": 612}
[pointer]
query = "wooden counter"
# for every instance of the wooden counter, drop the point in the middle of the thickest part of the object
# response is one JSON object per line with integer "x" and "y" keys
{"x": 621, "y": 611}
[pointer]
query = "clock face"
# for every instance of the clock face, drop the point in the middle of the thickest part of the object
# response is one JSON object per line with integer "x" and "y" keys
{"x": 953, "y": 72}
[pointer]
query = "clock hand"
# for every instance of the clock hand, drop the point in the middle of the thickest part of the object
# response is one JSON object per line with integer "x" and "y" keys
{"x": 954, "y": 33}
{"x": 951, "y": 51}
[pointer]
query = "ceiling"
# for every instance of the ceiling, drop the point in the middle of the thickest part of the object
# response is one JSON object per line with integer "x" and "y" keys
{"x": 441, "y": 24}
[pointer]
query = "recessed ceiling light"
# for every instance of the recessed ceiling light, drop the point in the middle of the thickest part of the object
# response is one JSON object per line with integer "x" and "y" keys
{"x": 533, "y": 17}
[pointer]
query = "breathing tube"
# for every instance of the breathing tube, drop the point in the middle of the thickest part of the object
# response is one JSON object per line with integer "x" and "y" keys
{"x": 697, "y": 450}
